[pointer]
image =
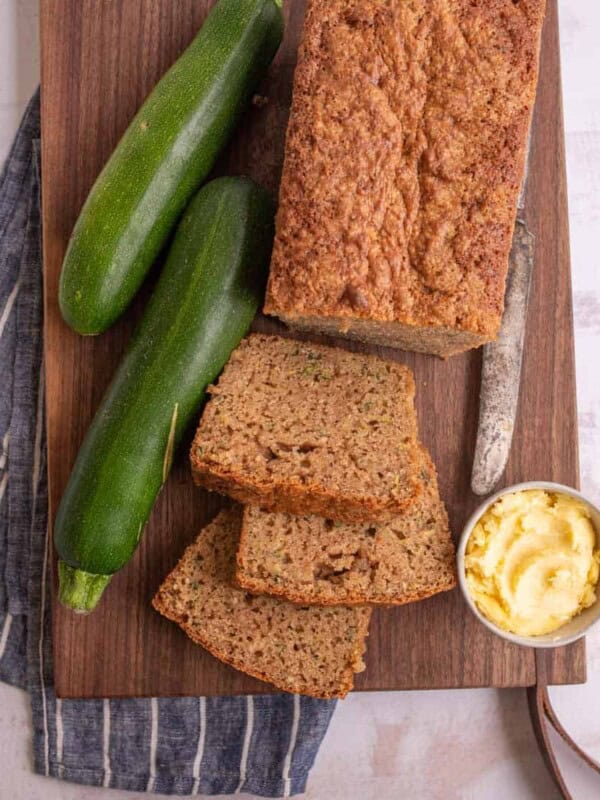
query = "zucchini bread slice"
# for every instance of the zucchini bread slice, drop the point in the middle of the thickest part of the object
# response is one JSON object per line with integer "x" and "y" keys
{"x": 308, "y": 650}
{"x": 307, "y": 429}
{"x": 313, "y": 560}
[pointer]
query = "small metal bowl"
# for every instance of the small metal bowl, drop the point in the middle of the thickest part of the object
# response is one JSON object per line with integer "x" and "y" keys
{"x": 570, "y": 631}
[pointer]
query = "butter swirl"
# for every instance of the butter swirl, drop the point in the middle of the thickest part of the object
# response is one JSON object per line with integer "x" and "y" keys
{"x": 531, "y": 562}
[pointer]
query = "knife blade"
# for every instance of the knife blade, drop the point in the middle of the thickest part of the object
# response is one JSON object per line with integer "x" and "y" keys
{"x": 501, "y": 368}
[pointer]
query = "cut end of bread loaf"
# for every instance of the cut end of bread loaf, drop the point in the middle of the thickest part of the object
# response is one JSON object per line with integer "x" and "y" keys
{"x": 438, "y": 341}
{"x": 313, "y": 560}
{"x": 298, "y": 427}
{"x": 306, "y": 650}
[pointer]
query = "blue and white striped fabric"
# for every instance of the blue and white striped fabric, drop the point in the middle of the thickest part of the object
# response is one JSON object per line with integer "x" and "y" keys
{"x": 262, "y": 745}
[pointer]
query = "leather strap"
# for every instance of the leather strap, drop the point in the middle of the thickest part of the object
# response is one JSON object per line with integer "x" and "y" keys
{"x": 542, "y": 716}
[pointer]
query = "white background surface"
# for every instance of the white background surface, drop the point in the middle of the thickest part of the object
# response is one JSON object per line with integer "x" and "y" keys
{"x": 418, "y": 745}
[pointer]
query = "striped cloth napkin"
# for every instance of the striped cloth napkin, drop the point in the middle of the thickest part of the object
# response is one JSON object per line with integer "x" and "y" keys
{"x": 263, "y": 745}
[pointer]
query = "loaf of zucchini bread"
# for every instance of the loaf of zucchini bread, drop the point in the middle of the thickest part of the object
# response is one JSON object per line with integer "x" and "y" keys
{"x": 309, "y": 650}
{"x": 299, "y": 427}
{"x": 404, "y": 158}
{"x": 309, "y": 559}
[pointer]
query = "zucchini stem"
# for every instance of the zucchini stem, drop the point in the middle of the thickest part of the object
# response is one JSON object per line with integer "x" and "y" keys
{"x": 79, "y": 590}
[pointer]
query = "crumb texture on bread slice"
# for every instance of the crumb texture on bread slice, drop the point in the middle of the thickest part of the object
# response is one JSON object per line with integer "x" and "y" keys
{"x": 308, "y": 650}
{"x": 298, "y": 427}
{"x": 307, "y": 559}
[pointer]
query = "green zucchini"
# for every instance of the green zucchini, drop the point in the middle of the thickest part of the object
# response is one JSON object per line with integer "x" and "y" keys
{"x": 166, "y": 153}
{"x": 206, "y": 297}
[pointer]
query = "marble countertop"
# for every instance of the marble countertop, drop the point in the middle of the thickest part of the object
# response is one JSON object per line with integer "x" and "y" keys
{"x": 441, "y": 745}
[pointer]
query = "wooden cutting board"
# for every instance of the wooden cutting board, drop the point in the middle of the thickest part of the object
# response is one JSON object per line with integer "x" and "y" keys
{"x": 99, "y": 61}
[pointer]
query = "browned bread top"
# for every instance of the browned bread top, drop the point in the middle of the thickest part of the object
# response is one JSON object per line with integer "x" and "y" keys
{"x": 313, "y": 651}
{"x": 404, "y": 158}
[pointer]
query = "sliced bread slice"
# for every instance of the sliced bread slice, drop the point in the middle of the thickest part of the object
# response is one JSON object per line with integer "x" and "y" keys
{"x": 307, "y": 559}
{"x": 312, "y": 651}
{"x": 308, "y": 429}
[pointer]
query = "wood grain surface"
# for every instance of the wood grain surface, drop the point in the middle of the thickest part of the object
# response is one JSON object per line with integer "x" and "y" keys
{"x": 99, "y": 61}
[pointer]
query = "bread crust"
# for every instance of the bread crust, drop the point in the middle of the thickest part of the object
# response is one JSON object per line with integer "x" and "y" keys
{"x": 405, "y": 153}
{"x": 295, "y": 497}
{"x": 439, "y": 340}
{"x": 258, "y": 587}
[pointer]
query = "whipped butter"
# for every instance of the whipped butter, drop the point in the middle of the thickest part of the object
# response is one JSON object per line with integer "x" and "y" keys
{"x": 531, "y": 562}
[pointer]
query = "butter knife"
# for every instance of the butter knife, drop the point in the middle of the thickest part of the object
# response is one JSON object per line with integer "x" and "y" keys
{"x": 501, "y": 369}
